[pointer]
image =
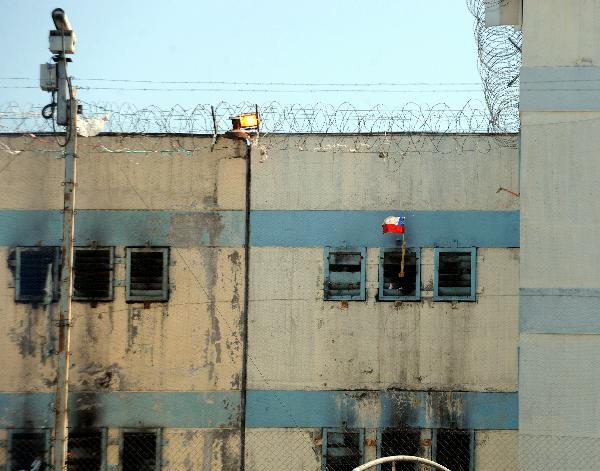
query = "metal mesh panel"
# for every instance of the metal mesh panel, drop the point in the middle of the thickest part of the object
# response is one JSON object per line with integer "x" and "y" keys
{"x": 92, "y": 272}
{"x": 400, "y": 442}
{"x": 289, "y": 449}
{"x": 139, "y": 451}
{"x": 453, "y": 449}
{"x": 85, "y": 452}
{"x": 28, "y": 451}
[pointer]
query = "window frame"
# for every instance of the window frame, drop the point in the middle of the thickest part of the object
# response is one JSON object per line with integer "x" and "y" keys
{"x": 165, "y": 292}
{"x": 47, "y": 444}
{"x": 470, "y": 298}
{"x": 111, "y": 289}
{"x": 158, "y": 433}
{"x": 471, "y": 432}
{"x": 417, "y": 295}
{"x": 361, "y": 443}
{"x": 55, "y": 275}
{"x": 327, "y": 274}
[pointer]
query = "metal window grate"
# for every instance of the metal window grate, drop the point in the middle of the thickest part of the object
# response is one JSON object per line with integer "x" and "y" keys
{"x": 37, "y": 274}
{"x": 455, "y": 274}
{"x": 344, "y": 450}
{"x": 85, "y": 450}
{"x": 28, "y": 450}
{"x": 139, "y": 452}
{"x": 400, "y": 442}
{"x": 147, "y": 274}
{"x": 395, "y": 283}
{"x": 453, "y": 449}
{"x": 93, "y": 274}
{"x": 345, "y": 276}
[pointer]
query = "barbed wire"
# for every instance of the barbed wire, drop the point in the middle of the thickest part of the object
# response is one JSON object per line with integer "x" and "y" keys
{"x": 499, "y": 54}
{"x": 319, "y": 127}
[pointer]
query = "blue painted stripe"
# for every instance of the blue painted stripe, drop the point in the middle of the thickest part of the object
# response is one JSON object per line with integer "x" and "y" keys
{"x": 125, "y": 409}
{"x": 560, "y": 88}
{"x": 559, "y": 311}
{"x": 422, "y": 409}
{"x": 363, "y": 228}
{"x": 107, "y": 227}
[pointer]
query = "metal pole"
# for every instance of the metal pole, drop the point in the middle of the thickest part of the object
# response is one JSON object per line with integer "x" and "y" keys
{"x": 61, "y": 422}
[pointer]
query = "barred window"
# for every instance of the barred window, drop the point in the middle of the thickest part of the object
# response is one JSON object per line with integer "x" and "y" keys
{"x": 343, "y": 449}
{"x": 345, "y": 274}
{"x": 453, "y": 449}
{"x": 28, "y": 449}
{"x": 37, "y": 274}
{"x": 147, "y": 274}
{"x": 85, "y": 450}
{"x": 399, "y": 279}
{"x": 399, "y": 442}
{"x": 139, "y": 451}
{"x": 93, "y": 274}
{"x": 455, "y": 274}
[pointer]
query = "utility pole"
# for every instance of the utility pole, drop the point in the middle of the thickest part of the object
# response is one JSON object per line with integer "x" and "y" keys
{"x": 54, "y": 78}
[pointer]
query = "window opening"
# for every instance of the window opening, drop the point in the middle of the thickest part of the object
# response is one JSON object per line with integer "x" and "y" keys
{"x": 37, "y": 274}
{"x": 93, "y": 274}
{"x": 343, "y": 450}
{"x": 85, "y": 450}
{"x": 139, "y": 451}
{"x": 400, "y": 442}
{"x": 453, "y": 449}
{"x": 345, "y": 275}
{"x": 28, "y": 451}
{"x": 398, "y": 280}
{"x": 455, "y": 274}
{"x": 147, "y": 274}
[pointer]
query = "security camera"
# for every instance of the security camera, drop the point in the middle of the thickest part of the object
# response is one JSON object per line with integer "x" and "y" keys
{"x": 60, "y": 20}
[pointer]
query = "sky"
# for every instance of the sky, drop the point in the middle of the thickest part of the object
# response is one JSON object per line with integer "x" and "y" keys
{"x": 398, "y": 42}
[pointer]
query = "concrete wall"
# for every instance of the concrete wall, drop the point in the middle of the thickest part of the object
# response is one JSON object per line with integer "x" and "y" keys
{"x": 560, "y": 259}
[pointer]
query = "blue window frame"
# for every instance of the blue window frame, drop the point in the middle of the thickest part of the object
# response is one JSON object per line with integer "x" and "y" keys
{"x": 37, "y": 274}
{"x": 342, "y": 449}
{"x": 392, "y": 286}
{"x": 27, "y": 445}
{"x": 345, "y": 274}
{"x": 455, "y": 274}
{"x": 147, "y": 274}
{"x": 454, "y": 449}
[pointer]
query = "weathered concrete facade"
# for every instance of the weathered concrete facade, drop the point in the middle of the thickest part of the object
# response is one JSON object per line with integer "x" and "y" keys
{"x": 372, "y": 365}
{"x": 560, "y": 223}
{"x": 313, "y": 365}
{"x": 174, "y": 366}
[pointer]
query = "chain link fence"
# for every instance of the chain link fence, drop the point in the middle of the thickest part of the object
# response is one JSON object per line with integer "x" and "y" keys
{"x": 294, "y": 449}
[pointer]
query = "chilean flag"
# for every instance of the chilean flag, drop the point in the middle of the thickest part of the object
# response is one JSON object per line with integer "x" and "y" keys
{"x": 393, "y": 224}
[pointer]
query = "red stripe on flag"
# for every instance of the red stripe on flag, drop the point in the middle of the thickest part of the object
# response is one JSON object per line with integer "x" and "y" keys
{"x": 393, "y": 228}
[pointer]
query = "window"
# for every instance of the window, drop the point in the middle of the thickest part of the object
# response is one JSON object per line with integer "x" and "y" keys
{"x": 399, "y": 442}
{"x": 147, "y": 274}
{"x": 85, "y": 450}
{"x": 455, "y": 274}
{"x": 139, "y": 451}
{"x": 26, "y": 448}
{"x": 37, "y": 274}
{"x": 93, "y": 274}
{"x": 345, "y": 274}
{"x": 342, "y": 449}
{"x": 398, "y": 280}
{"x": 454, "y": 449}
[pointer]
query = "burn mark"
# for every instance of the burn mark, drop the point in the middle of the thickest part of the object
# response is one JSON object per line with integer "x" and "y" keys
{"x": 133, "y": 318}
{"x": 86, "y": 412}
{"x": 212, "y": 337}
{"x": 98, "y": 377}
{"x": 23, "y": 336}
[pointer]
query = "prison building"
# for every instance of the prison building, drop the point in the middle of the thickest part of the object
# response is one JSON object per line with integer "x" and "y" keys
{"x": 334, "y": 344}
